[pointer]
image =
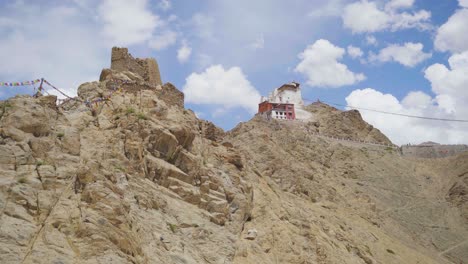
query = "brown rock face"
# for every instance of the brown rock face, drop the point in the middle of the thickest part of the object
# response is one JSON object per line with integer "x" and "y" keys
{"x": 349, "y": 124}
{"x": 331, "y": 201}
{"x": 132, "y": 180}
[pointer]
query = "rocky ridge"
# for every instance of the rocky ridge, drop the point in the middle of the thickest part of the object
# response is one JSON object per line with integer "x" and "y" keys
{"x": 139, "y": 179}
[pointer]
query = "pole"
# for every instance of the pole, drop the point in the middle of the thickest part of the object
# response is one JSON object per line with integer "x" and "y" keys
{"x": 40, "y": 86}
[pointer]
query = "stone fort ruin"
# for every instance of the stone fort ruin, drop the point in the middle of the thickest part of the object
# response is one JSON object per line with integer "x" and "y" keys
{"x": 144, "y": 74}
{"x": 148, "y": 68}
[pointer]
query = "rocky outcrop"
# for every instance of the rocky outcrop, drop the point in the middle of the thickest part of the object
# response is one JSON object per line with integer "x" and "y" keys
{"x": 343, "y": 124}
{"x": 125, "y": 180}
{"x": 125, "y": 174}
{"x": 325, "y": 201}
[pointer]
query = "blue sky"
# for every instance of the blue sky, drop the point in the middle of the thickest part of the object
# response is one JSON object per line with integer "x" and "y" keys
{"x": 390, "y": 55}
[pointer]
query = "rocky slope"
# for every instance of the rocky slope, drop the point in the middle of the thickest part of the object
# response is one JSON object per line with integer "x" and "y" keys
{"x": 135, "y": 178}
{"x": 320, "y": 201}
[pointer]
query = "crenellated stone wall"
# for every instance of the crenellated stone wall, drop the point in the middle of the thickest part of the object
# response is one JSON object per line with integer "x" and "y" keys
{"x": 148, "y": 68}
{"x": 432, "y": 151}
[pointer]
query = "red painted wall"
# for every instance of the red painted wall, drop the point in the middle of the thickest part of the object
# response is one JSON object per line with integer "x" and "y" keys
{"x": 264, "y": 107}
{"x": 288, "y": 108}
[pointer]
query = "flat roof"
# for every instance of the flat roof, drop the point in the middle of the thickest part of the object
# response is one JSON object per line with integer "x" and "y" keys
{"x": 267, "y": 102}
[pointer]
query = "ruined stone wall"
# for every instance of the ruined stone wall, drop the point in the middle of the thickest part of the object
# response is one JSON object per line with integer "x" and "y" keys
{"x": 152, "y": 74}
{"x": 433, "y": 151}
{"x": 148, "y": 69}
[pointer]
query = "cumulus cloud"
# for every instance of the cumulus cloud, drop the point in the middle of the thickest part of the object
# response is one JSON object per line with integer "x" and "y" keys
{"x": 320, "y": 65}
{"x": 366, "y": 16}
{"x": 463, "y": 3}
{"x": 127, "y": 22}
{"x": 449, "y": 86}
{"x": 354, "y": 52}
{"x": 228, "y": 30}
{"x": 184, "y": 52}
{"x": 402, "y": 130}
{"x": 449, "y": 83}
{"x": 452, "y": 36}
{"x": 397, "y": 4}
{"x": 410, "y": 54}
{"x": 218, "y": 86}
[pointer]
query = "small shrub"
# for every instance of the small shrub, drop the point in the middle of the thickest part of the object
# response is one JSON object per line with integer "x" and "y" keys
{"x": 22, "y": 180}
{"x": 142, "y": 116}
{"x": 130, "y": 111}
{"x": 120, "y": 168}
{"x": 5, "y": 105}
{"x": 390, "y": 251}
{"x": 365, "y": 152}
{"x": 172, "y": 227}
{"x": 40, "y": 163}
{"x": 60, "y": 135}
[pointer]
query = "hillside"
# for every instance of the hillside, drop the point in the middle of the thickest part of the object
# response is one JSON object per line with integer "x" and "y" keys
{"x": 335, "y": 202}
{"x": 125, "y": 174}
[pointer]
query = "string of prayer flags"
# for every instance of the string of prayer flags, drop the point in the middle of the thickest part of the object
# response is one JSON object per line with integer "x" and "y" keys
{"x": 25, "y": 83}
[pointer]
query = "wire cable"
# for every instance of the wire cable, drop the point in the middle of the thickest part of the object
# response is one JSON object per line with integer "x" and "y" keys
{"x": 397, "y": 114}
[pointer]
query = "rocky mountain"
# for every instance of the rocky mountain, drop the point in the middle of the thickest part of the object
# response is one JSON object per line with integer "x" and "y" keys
{"x": 124, "y": 174}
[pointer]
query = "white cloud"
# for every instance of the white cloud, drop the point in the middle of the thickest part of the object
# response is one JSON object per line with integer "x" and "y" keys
{"x": 227, "y": 88}
{"x": 452, "y": 36}
{"x": 127, "y": 22}
{"x": 319, "y": 64}
{"x": 371, "y": 40}
{"x": 463, "y": 3}
{"x": 418, "y": 20}
{"x": 449, "y": 86}
{"x": 366, "y": 16}
{"x": 184, "y": 52}
{"x": 354, "y": 52}
{"x": 164, "y": 40}
{"x": 165, "y": 5}
{"x": 410, "y": 54}
{"x": 402, "y": 130}
{"x": 397, "y": 4}
{"x": 225, "y": 30}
